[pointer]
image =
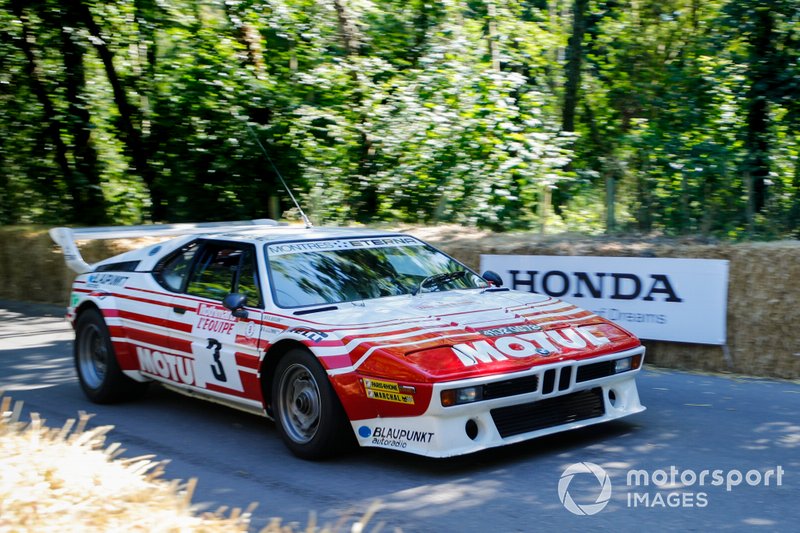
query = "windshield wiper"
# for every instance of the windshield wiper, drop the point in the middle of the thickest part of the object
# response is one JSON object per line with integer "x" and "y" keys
{"x": 439, "y": 279}
{"x": 316, "y": 310}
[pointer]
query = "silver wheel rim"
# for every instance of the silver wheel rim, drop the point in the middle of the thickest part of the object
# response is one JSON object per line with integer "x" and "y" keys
{"x": 299, "y": 403}
{"x": 92, "y": 356}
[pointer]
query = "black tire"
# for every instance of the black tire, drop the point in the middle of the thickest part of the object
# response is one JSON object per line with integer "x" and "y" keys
{"x": 308, "y": 414}
{"x": 96, "y": 362}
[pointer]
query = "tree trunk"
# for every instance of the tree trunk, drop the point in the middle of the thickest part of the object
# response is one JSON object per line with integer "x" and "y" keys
{"x": 131, "y": 135}
{"x": 491, "y": 35}
{"x": 794, "y": 212}
{"x": 8, "y": 212}
{"x": 545, "y": 193}
{"x": 52, "y": 123}
{"x": 352, "y": 43}
{"x": 644, "y": 217}
{"x": 757, "y": 138}
{"x": 573, "y": 68}
{"x": 422, "y": 23}
{"x": 611, "y": 202}
{"x": 90, "y": 201}
{"x": 574, "y": 56}
{"x": 351, "y": 38}
{"x": 7, "y": 207}
{"x": 147, "y": 15}
{"x": 249, "y": 37}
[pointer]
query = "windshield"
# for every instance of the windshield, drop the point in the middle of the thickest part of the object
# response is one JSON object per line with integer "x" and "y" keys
{"x": 346, "y": 270}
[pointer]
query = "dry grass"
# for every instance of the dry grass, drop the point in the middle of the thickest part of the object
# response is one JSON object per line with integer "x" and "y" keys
{"x": 67, "y": 479}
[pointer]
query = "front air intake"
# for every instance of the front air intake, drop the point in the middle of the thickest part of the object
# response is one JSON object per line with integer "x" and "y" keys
{"x": 517, "y": 419}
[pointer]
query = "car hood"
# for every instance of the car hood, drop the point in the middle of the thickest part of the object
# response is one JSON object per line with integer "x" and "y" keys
{"x": 461, "y": 334}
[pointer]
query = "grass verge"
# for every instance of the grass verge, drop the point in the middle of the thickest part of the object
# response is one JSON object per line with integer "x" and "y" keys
{"x": 68, "y": 479}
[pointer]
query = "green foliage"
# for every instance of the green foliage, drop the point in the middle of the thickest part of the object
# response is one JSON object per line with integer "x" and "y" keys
{"x": 404, "y": 110}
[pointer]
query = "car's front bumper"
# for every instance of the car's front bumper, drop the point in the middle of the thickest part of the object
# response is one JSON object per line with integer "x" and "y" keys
{"x": 583, "y": 398}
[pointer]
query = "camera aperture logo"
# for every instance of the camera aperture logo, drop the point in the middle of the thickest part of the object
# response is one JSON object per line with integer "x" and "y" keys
{"x": 662, "y": 488}
{"x": 604, "y": 488}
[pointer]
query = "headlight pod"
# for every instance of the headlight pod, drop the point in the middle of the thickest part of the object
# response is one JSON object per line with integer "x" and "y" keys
{"x": 627, "y": 363}
{"x": 622, "y": 365}
{"x": 489, "y": 391}
{"x": 462, "y": 395}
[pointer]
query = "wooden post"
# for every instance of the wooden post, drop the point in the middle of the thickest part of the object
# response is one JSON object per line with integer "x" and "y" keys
{"x": 611, "y": 222}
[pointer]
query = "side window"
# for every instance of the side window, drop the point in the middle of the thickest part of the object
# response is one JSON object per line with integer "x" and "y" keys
{"x": 172, "y": 271}
{"x": 221, "y": 270}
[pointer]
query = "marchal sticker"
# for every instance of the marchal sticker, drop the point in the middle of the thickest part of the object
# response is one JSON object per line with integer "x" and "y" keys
{"x": 387, "y": 391}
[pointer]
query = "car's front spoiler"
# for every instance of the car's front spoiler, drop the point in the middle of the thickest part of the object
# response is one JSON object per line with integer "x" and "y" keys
{"x": 460, "y": 429}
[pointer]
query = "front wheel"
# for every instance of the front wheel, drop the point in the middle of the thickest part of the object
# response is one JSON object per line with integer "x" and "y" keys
{"x": 308, "y": 415}
{"x": 99, "y": 373}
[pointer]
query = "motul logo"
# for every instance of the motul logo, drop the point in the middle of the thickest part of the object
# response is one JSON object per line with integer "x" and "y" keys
{"x": 615, "y": 285}
{"x": 526, "y": 345}
{"x": 167, "y": 366}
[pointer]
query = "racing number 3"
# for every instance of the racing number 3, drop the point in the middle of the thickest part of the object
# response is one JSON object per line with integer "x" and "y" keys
{"x": 217, "y": 369}
{"x": 215, "y": 364}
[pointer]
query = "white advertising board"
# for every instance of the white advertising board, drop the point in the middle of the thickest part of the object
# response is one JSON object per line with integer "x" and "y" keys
{"x": 680, "y": 300}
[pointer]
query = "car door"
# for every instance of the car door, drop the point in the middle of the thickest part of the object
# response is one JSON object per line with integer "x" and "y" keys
{"x": 224, "y": 347}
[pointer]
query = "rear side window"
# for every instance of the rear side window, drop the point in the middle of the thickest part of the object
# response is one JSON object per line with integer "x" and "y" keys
{"x": 173, "y": 270}
{"x": 125, "y": 266}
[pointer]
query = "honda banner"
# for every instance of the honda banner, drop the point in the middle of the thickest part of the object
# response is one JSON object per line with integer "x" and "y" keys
{"x": 681, "y": 300}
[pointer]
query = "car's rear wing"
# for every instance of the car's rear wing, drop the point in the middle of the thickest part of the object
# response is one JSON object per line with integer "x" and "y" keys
{"x": 67, "y": 238}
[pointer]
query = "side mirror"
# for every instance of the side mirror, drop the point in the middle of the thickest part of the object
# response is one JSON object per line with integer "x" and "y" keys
{"x": 493, "y": 277}
{"x": 236, "y": 302}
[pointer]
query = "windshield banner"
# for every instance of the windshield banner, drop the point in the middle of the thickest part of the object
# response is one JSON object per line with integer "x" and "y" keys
{"x": 680, "y": 300}
{"x": 341, "y": 244}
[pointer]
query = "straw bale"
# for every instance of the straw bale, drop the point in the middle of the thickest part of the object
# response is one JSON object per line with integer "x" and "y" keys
{"x": 33, "y": 268}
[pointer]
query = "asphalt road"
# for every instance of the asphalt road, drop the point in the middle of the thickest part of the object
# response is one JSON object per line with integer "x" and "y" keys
{"x": 693, "y": 423}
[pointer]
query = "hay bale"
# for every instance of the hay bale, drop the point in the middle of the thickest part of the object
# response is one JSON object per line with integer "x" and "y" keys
{"x": 29, "y": 267}
{"x": 33, "y": 266}
{"x": 762, "y": 297}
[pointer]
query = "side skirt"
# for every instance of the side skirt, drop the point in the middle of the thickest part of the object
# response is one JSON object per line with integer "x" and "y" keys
{"x": 213, "y": 397}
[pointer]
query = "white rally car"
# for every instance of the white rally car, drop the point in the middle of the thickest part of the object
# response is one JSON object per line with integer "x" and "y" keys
{"x": 344, "y": 335}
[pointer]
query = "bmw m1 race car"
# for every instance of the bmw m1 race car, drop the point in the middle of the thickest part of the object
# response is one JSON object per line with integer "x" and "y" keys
{"x": 342, "y": 336}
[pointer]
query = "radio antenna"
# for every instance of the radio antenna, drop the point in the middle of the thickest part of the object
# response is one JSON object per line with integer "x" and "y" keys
{"x": 306, "y": 220}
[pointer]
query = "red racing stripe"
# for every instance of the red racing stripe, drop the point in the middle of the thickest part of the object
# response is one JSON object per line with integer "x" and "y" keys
{"x": 247, "y": 360}
{"x": 156, "y": 321}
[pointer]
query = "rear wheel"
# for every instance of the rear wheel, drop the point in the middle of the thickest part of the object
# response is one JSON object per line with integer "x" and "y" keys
{"x": 308, "y": 414}
{"x": 99, "y": 373}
